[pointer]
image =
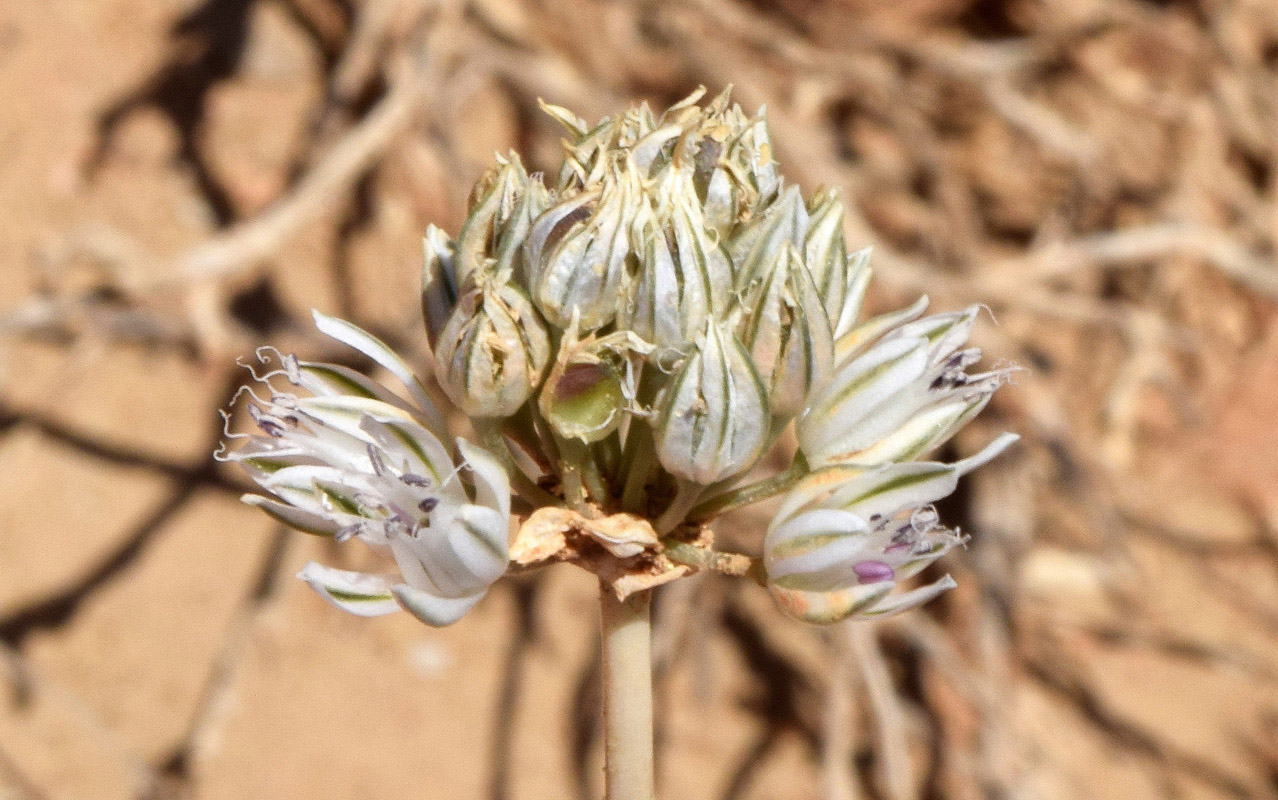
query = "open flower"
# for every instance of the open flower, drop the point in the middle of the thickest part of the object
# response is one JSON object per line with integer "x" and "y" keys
{"x": 348, "y": 458}
{"x": 899, "y": 394}
{"x": 844, "y": 537}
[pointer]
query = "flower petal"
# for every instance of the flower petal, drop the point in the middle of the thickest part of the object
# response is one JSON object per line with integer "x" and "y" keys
{"x": 822, "y": 608}
{"x": 431, "y": 609}
{"x": 895, "y": 604}
{"x": 292, "y": 516}
{"x": 492, "y": 484}
{"x": 376, "y": 349}
{"x": 358, "y": 593}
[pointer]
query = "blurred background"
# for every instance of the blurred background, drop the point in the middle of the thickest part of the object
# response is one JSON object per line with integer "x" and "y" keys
{"x": 181, "y": 180}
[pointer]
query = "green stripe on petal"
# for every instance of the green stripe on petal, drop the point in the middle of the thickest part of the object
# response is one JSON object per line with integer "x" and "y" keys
{"x": 358, "y": 593}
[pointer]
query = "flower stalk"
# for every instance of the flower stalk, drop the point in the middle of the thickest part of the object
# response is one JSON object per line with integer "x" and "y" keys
{"x": 627, "y": 694}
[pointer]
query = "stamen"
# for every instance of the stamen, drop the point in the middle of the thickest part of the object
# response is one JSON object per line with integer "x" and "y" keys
{"x": 873, "y": 572}
{"x": 924, "y": 519}
{"x": 428, "y": 505}
{"x": 379, "y": 465}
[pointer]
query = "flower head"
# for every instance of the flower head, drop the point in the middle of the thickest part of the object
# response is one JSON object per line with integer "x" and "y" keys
{"x": 628, "y": 342}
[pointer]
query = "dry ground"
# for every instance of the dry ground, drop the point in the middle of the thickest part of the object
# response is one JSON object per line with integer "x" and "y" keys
{"x": 183, "y": 179}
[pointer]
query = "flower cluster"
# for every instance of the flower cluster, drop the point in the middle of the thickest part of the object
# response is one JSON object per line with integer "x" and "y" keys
{"x": 632, "y": 339}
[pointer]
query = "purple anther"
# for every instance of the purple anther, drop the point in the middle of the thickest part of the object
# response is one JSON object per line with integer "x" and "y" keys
{"x": 873, "y": 572}
{"x": 428, "y": 505}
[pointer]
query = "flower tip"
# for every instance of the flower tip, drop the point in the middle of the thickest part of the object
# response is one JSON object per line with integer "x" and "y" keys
{"x": 990, "y": 452}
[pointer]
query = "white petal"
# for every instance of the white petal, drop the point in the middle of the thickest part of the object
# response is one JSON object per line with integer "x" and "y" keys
{"x": 895, "y": 488}
{"x": 356, "y": 592}
{"x": 822, "y": 608}
{"x": 431, "y": 609}
{"x": 294, "y": 517}
{"x": 810, "y": 530}
{"x": 812, "y": 486}
{"x": 858, "y": 387}
{"x": 479, "y": 537}
{"x": 329, "y": 380}
{"x": 895, "y": 604}
{"x": 817, "y": 551}
{"x": 922, "y": 433}
{"x": 376, "y": 349}
{"x": 492, "y": 484}
{"x": 850, "y": 343}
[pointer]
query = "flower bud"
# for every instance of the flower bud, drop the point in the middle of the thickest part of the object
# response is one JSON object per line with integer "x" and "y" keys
{"x": 788, "y": 336}
{"x": 825, "y": 252}
{"x": 591, "y": 384}
{"x": 761, "y": 244}
{"x": 683, "y": 276}
{"x": 747, "y": 171}
{"x": 577, "y": 251}
{"x": 858, "y": 272}
{"x": 503, "y": 205}
{"x": 713, "y": 419}
{"x": 493, "y": 351}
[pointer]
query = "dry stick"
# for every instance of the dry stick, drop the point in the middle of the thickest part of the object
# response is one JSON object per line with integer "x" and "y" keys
{"x": 1146, "y": 243}
{"x": 249, "y": 243}
{"x": 889, "y": 719}
{"x": 627, "y": 693}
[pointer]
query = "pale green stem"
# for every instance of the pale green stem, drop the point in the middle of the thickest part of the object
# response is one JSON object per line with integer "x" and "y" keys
{"x": 685, "y": 498}
{"x": 753, "y": 493}
{"x": 637, "y": 461}
{"x": 580, "y": 473}
{"x": 627, "y": 695}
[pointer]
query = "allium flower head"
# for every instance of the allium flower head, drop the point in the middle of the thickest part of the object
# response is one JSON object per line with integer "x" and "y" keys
{"x": 628, "y": 342}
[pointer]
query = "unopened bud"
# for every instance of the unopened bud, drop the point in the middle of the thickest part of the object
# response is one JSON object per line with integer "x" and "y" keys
{"x": 761, "y": 244}
{"x": 825, "y": 252}
{"x": 503, "y": 205}
{"x": 591, "y": 385}
{"x": 713, "y": 420}
{"x": 683, "y": 276}
{"x": 577, "y": 251}
{"x": 493, "y": 351}
{"x": 788, "y": 335}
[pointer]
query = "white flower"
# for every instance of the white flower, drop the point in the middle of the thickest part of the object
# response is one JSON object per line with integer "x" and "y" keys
{"x": 899, "y": 394}
{"x": 351, "y": 459}
{"x": 844, "y": 537}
